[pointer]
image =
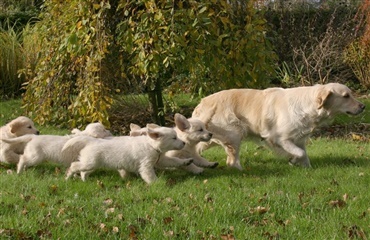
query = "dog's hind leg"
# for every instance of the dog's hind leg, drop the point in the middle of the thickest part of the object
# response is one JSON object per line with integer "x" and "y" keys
{"x": 21, "y": 165}
{"x": 79, "y": 167}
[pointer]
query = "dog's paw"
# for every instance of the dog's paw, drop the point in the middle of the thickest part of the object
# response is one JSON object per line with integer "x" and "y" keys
{"x": 211, "y": 165}
{"x": 188, "y": 161}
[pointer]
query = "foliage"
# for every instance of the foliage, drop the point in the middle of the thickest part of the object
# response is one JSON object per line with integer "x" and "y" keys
{"x": 11, "y": 60}
{"x": 357, "y": 55}
{"x": 358, "y": 52}
{"x": 154, "y": 42}
{"x": 69, "y": 86}
{"x": 216, "y": 44}
{"x": 310, "y": 40}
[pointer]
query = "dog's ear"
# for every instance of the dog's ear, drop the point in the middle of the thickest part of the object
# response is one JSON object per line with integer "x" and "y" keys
{"x": 322, "y": 97}
{"x": 134, "y": 127}
{"x": 153, "y": 134}
{"x": 181, "y": 122}
{"x": 152, "y": 125}
{"x": 75, "y": 131}
{"x": 15, "y": 126}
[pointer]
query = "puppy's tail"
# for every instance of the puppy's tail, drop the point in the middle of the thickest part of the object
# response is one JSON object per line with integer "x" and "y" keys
{"x": 21, "y": 139}
{"x": 77, "y": 143}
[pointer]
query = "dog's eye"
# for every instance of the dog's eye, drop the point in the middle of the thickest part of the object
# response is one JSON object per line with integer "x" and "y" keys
{"x": 201, "y": 130}
{"x": 346, "y": 95}
{"x": 30, "y": 127}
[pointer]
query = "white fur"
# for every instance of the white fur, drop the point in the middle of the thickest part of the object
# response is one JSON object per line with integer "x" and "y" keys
{"x": 41, "y": 148}
{"x": 191, "y": 131}
{"x": 10, "y": 153}
{"x": 126, "y": 154}
{"x": 282, "y": 118}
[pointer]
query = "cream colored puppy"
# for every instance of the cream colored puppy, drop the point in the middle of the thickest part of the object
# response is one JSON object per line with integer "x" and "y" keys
{"x": 10, "y": 153}
{"x": 41, "y": 148}
{"x": 126, "y": 154}
{"x": 282, "y": 118}
{"x": 191, "y": 131}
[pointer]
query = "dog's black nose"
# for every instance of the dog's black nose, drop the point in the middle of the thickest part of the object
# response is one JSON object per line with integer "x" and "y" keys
{"x": 38, "y": 132}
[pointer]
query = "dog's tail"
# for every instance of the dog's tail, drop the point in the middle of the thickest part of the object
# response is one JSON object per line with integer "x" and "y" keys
{"x": 77, "y": 143}
{"x": 21, "y": 139}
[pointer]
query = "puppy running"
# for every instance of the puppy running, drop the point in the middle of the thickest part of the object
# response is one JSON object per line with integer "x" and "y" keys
{"x": 41, "y": 148}
{"x": 191, "y": 131}
{"x": 126, "y": 154}
{"x": 10, "y": 153}
{"x": 282, "y": 118}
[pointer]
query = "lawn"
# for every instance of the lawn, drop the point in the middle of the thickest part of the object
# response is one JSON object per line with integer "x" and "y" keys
{"x": 267, "y": 200}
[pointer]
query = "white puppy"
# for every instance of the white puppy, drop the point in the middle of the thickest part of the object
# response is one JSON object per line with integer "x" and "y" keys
{"x": 282, "y": 118}
{"x": 191, "y": 131}
{"x": 10, "y": 153}
{"x": 126, "y": 154}
{"x": 41, "y": 148}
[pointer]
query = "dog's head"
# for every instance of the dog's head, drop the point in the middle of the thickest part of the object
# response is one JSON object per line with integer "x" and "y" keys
{"x": 337, "y": 98}
{"x": 22, "y": 126}
{"x": 191, "y": 130}
{"x": 165, "y": 139}
{"x": 96, "y": 130}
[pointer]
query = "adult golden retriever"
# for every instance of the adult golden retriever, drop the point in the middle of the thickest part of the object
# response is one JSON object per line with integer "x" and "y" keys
{"x": 282, "y": 118}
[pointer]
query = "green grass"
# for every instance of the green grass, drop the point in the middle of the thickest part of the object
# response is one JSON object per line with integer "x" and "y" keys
{"x": 268, "y": 200}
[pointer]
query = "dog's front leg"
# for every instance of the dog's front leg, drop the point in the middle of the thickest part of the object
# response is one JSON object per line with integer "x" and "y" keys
{"x": 298, "y": 153}
{"x": 202, "y": 162}
{"x": 147, "y": 173}
{"x": 193, "y": 169}
{"x": 168, "y": 162}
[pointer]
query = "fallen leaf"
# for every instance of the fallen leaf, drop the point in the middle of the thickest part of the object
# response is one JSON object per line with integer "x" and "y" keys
{"x": 337, "y": 203}
{"x": 115, "y": 229}
{"x": 108, "y": 201}
{"x": 167, "y": 220}
{"x": 100, "y": 183}
{"x": 227, "y": 237}
{"x": 356, "y": 232}
{"x": 259, "y": 210}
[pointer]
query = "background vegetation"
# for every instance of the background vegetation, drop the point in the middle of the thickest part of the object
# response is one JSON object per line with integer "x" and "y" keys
{"x": 76, "y": 62}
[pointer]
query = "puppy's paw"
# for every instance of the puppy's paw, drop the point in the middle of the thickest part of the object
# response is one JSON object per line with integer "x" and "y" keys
{"x": 188, "y": 161}
{"x": 211, "y": 165}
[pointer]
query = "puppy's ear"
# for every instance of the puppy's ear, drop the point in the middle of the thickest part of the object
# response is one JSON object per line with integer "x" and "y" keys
{"x": 153, "y": 134}
{"x": 134, "y": 127}
{"x": 15, "y": 126}
{"x": 152, "y": 125}
{"x": 181, "y": 122}
{"x": 322, "y": 97}
{"x": 75, "y": 131}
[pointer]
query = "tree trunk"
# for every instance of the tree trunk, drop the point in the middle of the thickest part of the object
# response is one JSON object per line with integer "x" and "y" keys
{"x": 156, "y": 104}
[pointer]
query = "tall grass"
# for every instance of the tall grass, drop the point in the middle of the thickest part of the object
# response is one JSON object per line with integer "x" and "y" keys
{"x": 11, "y": 60}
